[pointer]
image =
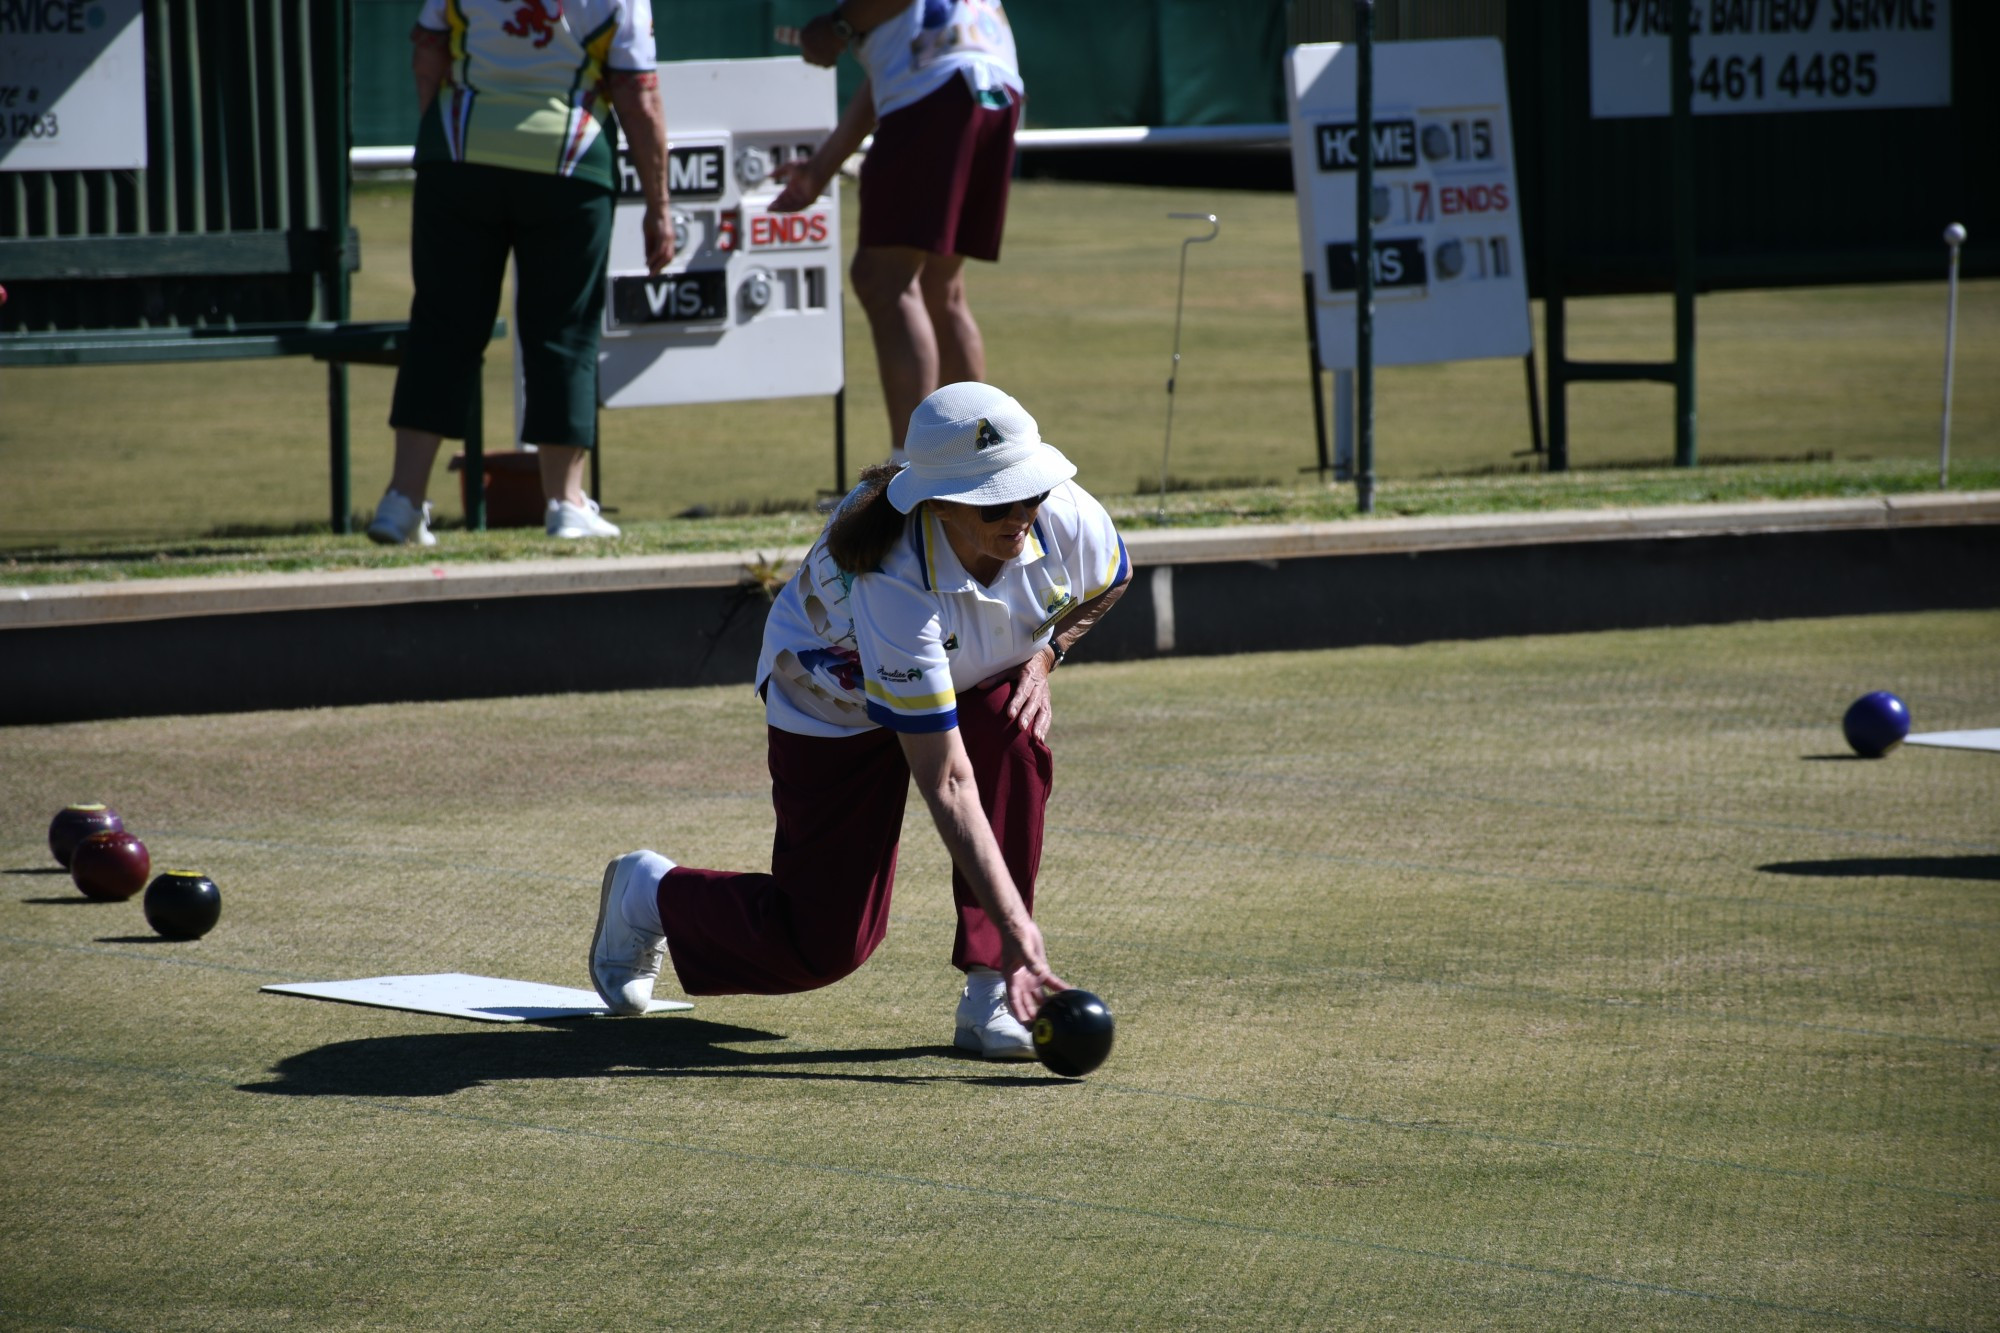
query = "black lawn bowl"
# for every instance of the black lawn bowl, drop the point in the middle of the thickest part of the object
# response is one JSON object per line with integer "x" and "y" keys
{"x": 1073, "y": 1033}
{"x": 183, "y": 904}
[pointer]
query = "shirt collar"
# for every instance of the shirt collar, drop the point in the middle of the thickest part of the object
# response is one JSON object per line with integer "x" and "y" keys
{"x": 943, "y": 571}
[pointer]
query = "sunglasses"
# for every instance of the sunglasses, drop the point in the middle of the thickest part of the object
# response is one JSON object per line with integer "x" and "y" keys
{"x": 994, "y": 513}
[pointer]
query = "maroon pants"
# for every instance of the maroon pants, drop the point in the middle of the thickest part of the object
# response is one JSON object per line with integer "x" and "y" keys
{"x": 937, "y": 176}
{"x": 825, "y": 905}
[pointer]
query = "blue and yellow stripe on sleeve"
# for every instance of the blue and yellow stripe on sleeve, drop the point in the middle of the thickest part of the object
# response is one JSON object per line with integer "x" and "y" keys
{"x": 911, "y": 712}
{"x": 1116, "y": 571}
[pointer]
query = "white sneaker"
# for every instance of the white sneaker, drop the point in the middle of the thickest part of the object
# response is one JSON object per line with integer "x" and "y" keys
{"x": 627, "y": 949}
{"x": 572, "y": 521}
{"x": 985, "y": 1023}
{"x": 398, "y": 521}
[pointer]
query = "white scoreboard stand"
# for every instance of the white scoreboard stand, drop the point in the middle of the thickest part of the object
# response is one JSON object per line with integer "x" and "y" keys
{"x": 1449, "y": 284}
{"x": 751, "y": 306}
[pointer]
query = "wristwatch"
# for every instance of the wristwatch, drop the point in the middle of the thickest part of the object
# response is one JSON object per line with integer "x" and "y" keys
{"x": 841, "y": 25}
{"x": 1062, "y": 654}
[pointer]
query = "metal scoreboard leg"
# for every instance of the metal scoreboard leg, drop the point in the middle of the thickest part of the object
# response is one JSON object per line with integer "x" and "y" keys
{"x": 1343, "y": 425}
{"x": 840, "y": 440}
{"x": 1364, "y": 258}
{"x": 1682, "y": 133}
{"x": 596, "y": 452}
{"x": 1313, "y": 365}
{"x": 1534, "y": 406}
{"x": 475, "y": 458}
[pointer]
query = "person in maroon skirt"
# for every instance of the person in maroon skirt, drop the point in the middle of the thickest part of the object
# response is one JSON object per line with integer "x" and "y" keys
{"x": 916, "y": 640}
{"x": 943, "y": 97}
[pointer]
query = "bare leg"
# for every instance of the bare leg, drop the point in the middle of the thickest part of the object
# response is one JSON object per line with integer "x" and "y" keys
{"x": 961, "y": 351}
{"x": 416, "y": 453}
{"x": 562, "y": 472}
{"x": 886, "y": 282}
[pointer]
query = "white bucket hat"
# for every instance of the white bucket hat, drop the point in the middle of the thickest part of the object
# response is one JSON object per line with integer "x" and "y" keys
{"x": 971, "y": 442}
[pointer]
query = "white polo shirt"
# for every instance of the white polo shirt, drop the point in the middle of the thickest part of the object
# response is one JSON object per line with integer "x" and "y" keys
{"x": 843, "y": 653}
{"x": 910, "y": 56}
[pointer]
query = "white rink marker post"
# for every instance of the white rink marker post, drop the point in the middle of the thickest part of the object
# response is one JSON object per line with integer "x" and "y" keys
{"x": 1954, "y": 236}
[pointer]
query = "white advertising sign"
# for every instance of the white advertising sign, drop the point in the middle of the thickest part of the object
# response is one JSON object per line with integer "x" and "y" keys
{"x": 750, "y": 307}
{"x": 1449, "y": 285}
{"x": 1772, "y": 55}
{"x": 72, "y": 86}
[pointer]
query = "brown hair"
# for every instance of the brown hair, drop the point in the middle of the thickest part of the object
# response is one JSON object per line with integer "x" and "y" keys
{"x": 866, "y": 525}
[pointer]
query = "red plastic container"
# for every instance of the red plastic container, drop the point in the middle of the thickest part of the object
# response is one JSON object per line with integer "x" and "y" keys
{"x": 513, "y": 489}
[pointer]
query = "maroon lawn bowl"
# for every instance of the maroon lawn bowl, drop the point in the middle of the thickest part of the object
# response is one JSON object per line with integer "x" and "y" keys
{"x": 74, "y": 823}
{"x": 110, "y": 866}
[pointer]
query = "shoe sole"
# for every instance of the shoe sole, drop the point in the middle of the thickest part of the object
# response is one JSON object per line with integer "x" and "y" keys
{"x": 385, "y": 537}
{"x": 967, "y": 1039}
{"x": 597, "y": 935}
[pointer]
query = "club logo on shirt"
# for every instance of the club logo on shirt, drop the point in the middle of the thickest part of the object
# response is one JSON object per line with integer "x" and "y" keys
{"x": 904, "y": 677}
{"x": 535, "y": 20}
{"x": 988, "y": 437}
{"x": 1059, "y": 600}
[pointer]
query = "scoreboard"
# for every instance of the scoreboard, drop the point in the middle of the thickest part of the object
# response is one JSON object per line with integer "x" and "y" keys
{"x": 1447, "y": 261}
{"x": 750, "y": 306}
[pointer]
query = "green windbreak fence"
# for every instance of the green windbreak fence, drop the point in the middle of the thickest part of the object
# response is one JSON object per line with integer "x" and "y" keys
{"x": 1115, "y": 62}
{"x": 240, "y": 216}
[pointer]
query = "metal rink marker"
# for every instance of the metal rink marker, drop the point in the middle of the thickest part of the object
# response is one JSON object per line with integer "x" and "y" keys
{"x": 1174, "y": 374}
{"x": 1954, "y": 236}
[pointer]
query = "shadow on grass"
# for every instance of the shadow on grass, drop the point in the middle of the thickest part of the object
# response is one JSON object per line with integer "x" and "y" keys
{"x": 138, "y": 552}
{"x": 36, "y": 870}
{"x": 1923, "y": 867}
{"x": 439, "y": 1064}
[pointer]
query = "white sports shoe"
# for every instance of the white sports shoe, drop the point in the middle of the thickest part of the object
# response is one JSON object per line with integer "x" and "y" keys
{"x": 625, "y": 958}
{"x": 399, "y": 522}
{"x": 570, "y": 521}
{"x": 985, "y": 1023}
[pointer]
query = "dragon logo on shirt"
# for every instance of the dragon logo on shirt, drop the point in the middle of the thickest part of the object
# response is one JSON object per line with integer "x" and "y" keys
{"x": 537, "y": 20}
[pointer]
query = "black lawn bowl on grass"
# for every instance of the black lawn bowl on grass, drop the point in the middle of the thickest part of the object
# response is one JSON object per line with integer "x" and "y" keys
{"x": 182, "y": 904}
{"x": 1073, "y": 1033}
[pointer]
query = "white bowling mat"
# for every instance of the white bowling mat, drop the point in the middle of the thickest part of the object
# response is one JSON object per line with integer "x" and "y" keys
{"x": 457, "y": 995}
{"x": 1985, "y": 739}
